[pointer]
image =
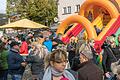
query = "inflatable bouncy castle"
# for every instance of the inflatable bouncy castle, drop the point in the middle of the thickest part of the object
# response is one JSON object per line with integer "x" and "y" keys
{"x": 104, "y": 14}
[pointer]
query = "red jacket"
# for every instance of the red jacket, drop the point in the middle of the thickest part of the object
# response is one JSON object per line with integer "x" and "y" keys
{"x": 24, "y": 48}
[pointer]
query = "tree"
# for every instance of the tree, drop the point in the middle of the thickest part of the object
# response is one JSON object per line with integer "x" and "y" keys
{"x": 41, "y": 11}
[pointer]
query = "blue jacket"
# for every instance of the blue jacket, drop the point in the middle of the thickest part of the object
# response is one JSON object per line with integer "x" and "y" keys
{"x": 48, "y": 44}
{"x": 14, "y": 62}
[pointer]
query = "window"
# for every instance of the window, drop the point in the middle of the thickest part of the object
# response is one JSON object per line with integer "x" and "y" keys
{"x": 64, "y": 10}
{"x": 69, "y": 9}
{"x": 77, "y": 8}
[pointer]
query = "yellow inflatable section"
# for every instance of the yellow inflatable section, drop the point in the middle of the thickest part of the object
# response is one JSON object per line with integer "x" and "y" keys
{"x": 98, "y": 21}
{"x": 105, "y": 30}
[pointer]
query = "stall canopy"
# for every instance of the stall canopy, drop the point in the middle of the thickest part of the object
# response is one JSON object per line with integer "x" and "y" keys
{"x": 24, "y": 23}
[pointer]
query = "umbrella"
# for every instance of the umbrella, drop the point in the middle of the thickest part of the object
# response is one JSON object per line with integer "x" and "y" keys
{"x": 24, "y": 23}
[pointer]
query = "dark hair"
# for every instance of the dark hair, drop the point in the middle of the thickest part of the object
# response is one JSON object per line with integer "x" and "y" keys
{"x": 113, "y": 35}
{"x": 22, "y": 39}
{"x": 13, "y": 43}
{"x": 41, "y": 36}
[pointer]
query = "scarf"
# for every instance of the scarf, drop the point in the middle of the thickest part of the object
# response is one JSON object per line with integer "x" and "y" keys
{"x": 50, "y": 71}
{"x": 56, "y": 73}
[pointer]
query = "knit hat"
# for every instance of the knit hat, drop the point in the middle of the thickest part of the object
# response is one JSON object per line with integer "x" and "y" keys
{"x": 87, "y": 55}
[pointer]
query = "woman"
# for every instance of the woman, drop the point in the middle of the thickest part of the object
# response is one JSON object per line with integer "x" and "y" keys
{"x": 55, "y": 64}
{"x": 36, "y": 59}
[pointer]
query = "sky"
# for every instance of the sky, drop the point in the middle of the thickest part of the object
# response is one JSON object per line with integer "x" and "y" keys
{"x": 3, "y": 6}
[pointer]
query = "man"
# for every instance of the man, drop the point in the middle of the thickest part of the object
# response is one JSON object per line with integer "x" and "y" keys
{"x": 16, "y": 63}
{"x": 88, "y": 70}
{"x": 71, "y": 48}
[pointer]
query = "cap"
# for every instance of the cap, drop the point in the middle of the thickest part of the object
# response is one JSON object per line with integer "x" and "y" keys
{"x": 13, "y": 43}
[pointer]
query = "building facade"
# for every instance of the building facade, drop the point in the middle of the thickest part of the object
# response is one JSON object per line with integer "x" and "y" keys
{"x": 68, "y": 7}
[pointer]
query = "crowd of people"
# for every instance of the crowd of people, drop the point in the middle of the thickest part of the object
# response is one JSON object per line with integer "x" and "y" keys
{"x": 50, "y": 59}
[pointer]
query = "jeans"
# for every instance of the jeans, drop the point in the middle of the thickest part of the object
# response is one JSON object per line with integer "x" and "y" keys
{"x": 16, "y": 77}
{"x": 3, "y": 75}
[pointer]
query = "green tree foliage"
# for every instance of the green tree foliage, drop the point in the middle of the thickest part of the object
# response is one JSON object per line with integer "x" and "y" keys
{"x": 41, "y": 11}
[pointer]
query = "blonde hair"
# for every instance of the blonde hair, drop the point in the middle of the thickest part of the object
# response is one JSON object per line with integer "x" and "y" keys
{"x": 39, "y": 49}
{"x": 56, "y": 55}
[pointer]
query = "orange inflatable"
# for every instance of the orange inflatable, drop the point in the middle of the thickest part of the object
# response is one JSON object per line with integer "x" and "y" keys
{"x": 106, "y": 7}
{"x": 78, "y": 19}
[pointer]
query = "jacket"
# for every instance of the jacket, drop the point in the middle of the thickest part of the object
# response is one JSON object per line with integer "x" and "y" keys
{"x": 24, "y": 48}
{"x": 3, "y": 59}
{"x": 37, "y": 64}
{"x": 108, "y": 59}
{"x": 89, "y": 71}
{"x": 14, "y": 62}
{"x": 48, "y": 44}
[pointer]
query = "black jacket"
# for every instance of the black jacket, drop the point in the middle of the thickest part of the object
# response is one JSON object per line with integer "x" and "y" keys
{"x": 108, "y": 58}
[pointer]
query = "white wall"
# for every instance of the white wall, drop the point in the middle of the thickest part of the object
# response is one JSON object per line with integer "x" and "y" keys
{"x": 66, "y": 3}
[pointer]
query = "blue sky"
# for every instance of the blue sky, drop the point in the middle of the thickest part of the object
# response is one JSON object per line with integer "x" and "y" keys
{"x": 3, "y": 6}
